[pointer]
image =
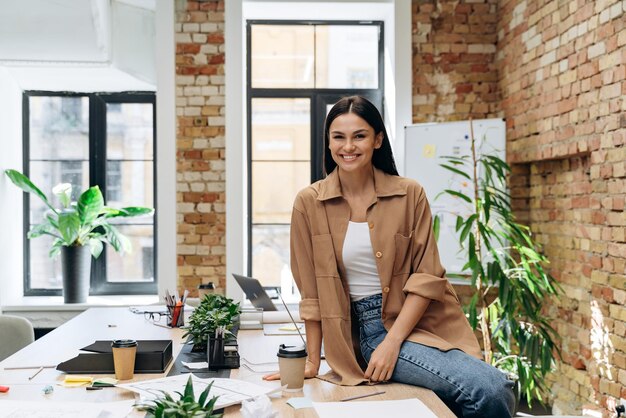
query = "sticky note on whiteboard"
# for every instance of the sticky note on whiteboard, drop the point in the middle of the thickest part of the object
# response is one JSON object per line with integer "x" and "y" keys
{"x": 428, "y": 151}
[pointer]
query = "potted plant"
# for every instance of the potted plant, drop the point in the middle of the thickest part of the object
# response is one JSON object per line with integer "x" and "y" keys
{"x": 214, "y": 312}
{"x": 508, "y": 280}
{"x": 185, "y": 407}
{"x": 79, "y": 230}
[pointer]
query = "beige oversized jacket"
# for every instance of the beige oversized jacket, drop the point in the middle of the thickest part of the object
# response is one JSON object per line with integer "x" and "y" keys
{"x": 406, "y": 257}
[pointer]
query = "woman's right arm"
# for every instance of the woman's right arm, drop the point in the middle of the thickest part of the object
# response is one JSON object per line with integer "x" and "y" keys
{"x": 303, "y": 270}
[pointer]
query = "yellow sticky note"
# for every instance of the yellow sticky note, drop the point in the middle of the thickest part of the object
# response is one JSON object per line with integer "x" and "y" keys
{"x": 289, "y": 327}
{"x": 428, "y": 151}
{"x": 72, "y": 380}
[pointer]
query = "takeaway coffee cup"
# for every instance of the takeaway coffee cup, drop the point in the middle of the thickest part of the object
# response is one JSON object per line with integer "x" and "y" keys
{"x": 124, "y": 352}
{"x": 291, "y": 361}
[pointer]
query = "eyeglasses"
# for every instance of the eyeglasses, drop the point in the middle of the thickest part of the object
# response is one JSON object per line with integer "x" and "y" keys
{"x": 154, "y": 316}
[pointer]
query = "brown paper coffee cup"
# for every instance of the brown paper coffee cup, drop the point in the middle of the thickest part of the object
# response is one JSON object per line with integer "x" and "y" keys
{"x": 124, "y": 352}
{"x": 291, "y": 362}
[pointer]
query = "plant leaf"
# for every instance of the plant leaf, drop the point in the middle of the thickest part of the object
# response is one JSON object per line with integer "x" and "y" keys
{"x": 436, "y": 226}
{"x": 21, "y": 181}
{"x": 90, "y": 204}
{"x": 458, "y": 194}
{"x": 69, "y": 225}
{"x": 95, "y": 246}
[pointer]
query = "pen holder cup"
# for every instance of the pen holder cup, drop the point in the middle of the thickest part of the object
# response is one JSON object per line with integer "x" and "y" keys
{"x": 175, "y": 315}
{"x": 215, "y": 352}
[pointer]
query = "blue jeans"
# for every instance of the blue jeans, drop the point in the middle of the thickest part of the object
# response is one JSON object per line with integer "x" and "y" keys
{"x": 468, "y": 386}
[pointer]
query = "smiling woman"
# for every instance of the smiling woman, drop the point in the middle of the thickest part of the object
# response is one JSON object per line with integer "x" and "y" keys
{"x": 362, "y": 248}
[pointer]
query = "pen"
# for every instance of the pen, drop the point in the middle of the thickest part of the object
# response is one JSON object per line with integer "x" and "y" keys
{"x": 350, "y": 398}
{"x": 36, "y": 373}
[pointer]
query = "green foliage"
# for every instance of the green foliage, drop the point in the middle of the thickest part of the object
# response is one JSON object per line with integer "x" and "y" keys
{"x": 186, "y": 406}
{"x": 502, "y": 255}
{"x": 213, "y": 312}
{"x": 85, "y": 222}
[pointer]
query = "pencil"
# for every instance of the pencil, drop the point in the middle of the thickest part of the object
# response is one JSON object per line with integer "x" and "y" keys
{"x": 350, "y": 398}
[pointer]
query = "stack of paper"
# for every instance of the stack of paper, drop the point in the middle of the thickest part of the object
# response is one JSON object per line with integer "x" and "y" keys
{"x": 406, "y": 408}
{"x": 230, "y": 391}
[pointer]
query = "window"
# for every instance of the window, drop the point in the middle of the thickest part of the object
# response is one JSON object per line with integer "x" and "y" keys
{"x": 92, "y": 139}
{"x": 296, "y": 71}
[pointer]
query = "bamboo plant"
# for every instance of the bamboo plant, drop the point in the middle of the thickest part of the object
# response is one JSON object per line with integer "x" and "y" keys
{"x": 507, "y": 274}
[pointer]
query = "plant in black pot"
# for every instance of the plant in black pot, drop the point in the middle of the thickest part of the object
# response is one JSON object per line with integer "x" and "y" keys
{"x": 214, "y": 313}
{"x": 79, "y": 229}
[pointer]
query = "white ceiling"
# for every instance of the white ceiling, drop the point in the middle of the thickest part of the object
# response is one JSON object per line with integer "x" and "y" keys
{"x": 65, "y": 31}
{"x": 69, "y": 45}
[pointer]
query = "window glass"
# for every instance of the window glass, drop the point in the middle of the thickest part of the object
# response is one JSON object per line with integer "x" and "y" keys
{"x": 137, "y": 266}
{"x": 282, "y": 56}
{"x": 346, "y": 57}
{"x": 281, "y": 129}
{"x": 58, "y": 128}
{"x": 275, "y": 185}
{"x": 270, "y": 248}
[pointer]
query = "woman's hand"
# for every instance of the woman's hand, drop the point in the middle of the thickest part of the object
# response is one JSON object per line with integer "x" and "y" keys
{"x": 383, "y": 361}
{"x": 310, "y": 371}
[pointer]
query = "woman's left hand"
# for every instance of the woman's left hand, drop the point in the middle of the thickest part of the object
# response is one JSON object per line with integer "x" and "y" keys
{"x": 383, "y": 361}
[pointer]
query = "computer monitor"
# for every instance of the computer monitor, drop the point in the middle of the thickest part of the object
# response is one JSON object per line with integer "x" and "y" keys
{"x": 255, "y": 292}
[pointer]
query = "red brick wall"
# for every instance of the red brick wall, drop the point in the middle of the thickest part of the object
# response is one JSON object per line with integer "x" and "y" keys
{"x": 454, "y": 74}
{"x": 562, "y": 80}
{"x": 200, "y": 148}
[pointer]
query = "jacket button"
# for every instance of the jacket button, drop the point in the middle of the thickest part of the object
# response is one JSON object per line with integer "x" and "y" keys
{"x": 378, "y": 254}
{"x": 371, "y": 225}
{"x": 386, "y": 289}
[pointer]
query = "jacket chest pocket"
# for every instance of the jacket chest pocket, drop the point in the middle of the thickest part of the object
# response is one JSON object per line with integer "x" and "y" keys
{"x": 403, "y": 254}
{"x": 324, "y": 255}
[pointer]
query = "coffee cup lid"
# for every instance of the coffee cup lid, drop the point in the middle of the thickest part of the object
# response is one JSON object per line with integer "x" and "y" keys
{"x": 123, "y": 343}
{"x": 291, "y": 351}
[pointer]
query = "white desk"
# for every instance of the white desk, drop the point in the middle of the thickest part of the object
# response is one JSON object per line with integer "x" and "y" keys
{"x": 64, "y": 342}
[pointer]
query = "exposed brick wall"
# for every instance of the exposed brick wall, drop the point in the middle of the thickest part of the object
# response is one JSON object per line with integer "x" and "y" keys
{"x": 454, "y": 75}
{"x": 200, "y": 148}
{"x": 562, "y": 79}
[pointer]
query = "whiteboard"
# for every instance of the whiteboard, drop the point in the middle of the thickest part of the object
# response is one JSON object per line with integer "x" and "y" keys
{"x": 424, "y": 145}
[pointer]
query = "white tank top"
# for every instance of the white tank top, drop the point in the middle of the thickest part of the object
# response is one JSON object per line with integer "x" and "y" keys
{"x": 359, "y": 261}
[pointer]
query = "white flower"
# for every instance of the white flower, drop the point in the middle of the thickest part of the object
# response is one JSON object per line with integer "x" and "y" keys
{"x": 64, "y": 192}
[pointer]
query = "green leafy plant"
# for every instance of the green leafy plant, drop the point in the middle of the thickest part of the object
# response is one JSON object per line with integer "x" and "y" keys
{"x": 186, "y": 406}
{"x": 214, "y": 311}
{"x": 84, "y": 222}
{"x": 508, "y": 279}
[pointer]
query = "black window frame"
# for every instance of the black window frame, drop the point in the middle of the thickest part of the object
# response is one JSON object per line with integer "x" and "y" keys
{"x": 318, "y": 97}
{"x": 97, "y": 176}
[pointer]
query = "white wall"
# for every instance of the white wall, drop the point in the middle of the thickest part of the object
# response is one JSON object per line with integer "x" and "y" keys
{"x": 166, "y": 147}
{"x": 11, "y": 243}
{"x": 398, "y": 64}
{"x": 133, "y": 33}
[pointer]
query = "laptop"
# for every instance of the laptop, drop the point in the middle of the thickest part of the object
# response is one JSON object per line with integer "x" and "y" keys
{"x": 255, "y": 292}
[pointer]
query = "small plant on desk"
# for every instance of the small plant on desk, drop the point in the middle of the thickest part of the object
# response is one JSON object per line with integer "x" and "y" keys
{"x": 214, "y": 311}
{"x": 185, "y": 407}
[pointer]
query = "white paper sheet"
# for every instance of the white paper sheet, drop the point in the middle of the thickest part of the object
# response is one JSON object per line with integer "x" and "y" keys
{"x": 54, "y": 409}
{"x": 406, "y": 408}
{"x": 230, "y": 391}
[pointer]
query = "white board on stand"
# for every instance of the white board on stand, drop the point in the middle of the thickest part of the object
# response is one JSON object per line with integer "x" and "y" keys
{"x": 425, "y": 144}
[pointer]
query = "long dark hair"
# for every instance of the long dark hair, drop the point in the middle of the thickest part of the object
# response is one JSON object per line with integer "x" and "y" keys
{"x": 360, "y": 106}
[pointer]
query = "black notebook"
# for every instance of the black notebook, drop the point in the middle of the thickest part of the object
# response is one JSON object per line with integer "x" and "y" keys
{"x": 153, "y": 356}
